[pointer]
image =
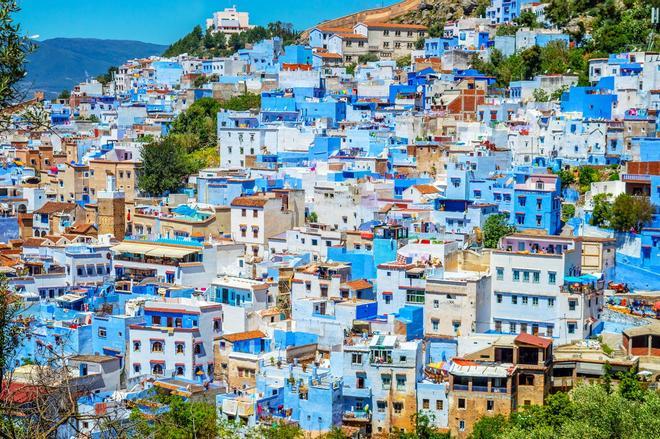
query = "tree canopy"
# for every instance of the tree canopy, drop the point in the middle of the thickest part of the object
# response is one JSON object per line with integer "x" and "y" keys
{"x": 591, "y": 411}
{"x": 496, "y": 227}
{"x": 200, "y": 43}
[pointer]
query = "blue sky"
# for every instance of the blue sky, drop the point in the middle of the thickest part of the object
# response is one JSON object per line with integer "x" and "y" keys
{"x": 164, "y": 21}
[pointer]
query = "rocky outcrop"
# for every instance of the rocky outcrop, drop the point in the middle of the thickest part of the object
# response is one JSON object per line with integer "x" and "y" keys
{"x": 431, "y": 12}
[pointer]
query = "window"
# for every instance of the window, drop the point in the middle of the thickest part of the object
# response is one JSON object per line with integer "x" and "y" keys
{"x": 516, "y": 275}
{"x": 435, "y": 323}
{"x": 551, "y": 302}
{"x": 157, "y": 346}
{"x": 425, "y": 404}
{"x": 356, "y": 358}
{"x": 387, "y": 381}
{"x": 525, "y": 300}
{"x": 523, "y": 328}
{"x": 102, "y": 333}
{"x": 381, "y": 405}
{"x": 514, "y": 300}
{"x": 571, "y": 328}
{"x": 572, "y": 304}
{"x": 136, "y": 346}
{"x": 536, "y": 277}
{"x": 398, "y": 407}
{"x": 552, "y": 277}
{"x": 535, "y": 301}
{"x": 439, "y": 404}
{"x": 499, "y": 298}
{"x": 436, "y": 304}
{"x": 400, "y": 382}
{"x": 255, "y": 213}
{"x": 461, "y": 403}
{"x": 512, "y": 327}
{"x": 137, "y": 368}
{"x": 243, "y": 212}
{"x": 198, "y": 349}
{"x": 500, "y": 273}
{"x": 490, "y": 405}
{"x": 180, "y": 348}
{"x": 461, "y": 425}
{"x": 526, "y": 276}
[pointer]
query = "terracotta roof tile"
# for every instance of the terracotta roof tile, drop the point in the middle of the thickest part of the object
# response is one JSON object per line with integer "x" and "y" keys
{"x": 249, "y": 201}
{"x": 55, "y": 207}
{"x": 241, "y": 336}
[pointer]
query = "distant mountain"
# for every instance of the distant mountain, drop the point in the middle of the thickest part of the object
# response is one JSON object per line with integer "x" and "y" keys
{"x": 61, "y": 63}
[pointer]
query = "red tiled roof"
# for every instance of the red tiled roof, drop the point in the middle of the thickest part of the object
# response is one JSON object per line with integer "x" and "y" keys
{"x": 54, "y": 207}
{"x": 240, "y": 336}
{"x": 328, "y": 55}
{"x": 426, "y": 189}
{"x": 533, "y": 340}
{"x": 360, "y": 284}
{"x": 249, "y": 201}
{"x": 350, "y": 36}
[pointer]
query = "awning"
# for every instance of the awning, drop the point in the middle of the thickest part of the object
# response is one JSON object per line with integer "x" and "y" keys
{"x": 129, "y": 247}
{"x": 170, "y": 252}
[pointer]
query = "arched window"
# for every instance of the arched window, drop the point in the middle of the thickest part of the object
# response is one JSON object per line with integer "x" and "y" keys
{"x": 157, "y": 346}
{"x": 157, "y": 369}
{"x": 180, "y": 348}
{"x": 179, "y": 370}
{"x": 198, "y": 348}
{"x": 136, "y": 346}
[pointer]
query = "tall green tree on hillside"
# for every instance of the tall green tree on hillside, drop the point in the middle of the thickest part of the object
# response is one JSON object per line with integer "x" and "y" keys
{"x": 495, "y": 228}
{"x": 631, "y": 213}
{"x": 14, "y": 48}
{"x": 165, "y": 165}
{"x": 200, "y": 120}
{"x": 629, "y": 412}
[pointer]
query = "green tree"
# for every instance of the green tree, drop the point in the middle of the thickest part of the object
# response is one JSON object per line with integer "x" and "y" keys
{"x": 12, "y": 329}
{"x": 527, "y": 19}
{"x": 587, "y": 175}
{"x": 64, "y": 94}
{"x": 14, "y": 48}
{"x": 588, "y": 410}
{"x": 181, "y": 420}
{"x": 567, "y": 177}
{"x": 336, "y": 433}
{"x": 350, "y": 68}
{"x": 602, "y": 213}
{"x": 165, "y": 165}
{"x": 631, "y": 213}
{"x": 367, "y": 57}
{"x": 567, "y": 211}
{"x": 200, "y": 120}
{"x": 313, "y": 217}
{"x": 495, "y": 228}
{"x": 190, "y": 43}
{"x": 108, "y": 76}
{"x": 489, "y": 427}
{"x": 403, "y": 61}
{"x": 540, "y": 95}
{"x": 424, "y": 429}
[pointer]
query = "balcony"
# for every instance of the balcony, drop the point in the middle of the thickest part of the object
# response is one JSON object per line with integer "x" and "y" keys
{"x": 356, "y": 416}
{"x": 463, "y": 387}
{"x": 498, "y": 389}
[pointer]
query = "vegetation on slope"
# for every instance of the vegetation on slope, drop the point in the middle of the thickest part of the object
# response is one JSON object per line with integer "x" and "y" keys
{"x": 207, "y": 44}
